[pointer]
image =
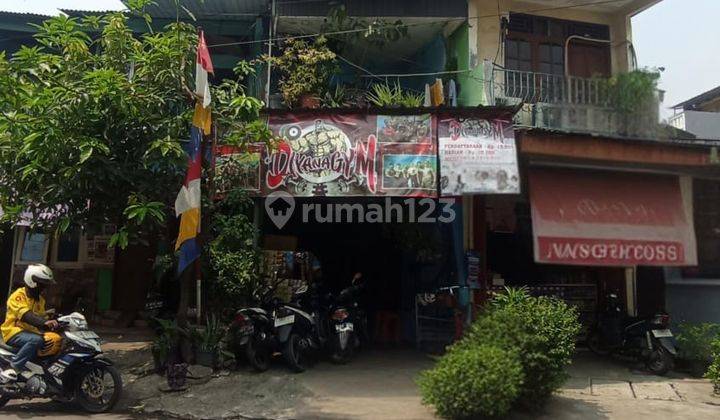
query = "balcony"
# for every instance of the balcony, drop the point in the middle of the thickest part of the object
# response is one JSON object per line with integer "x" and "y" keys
{"x": 572, "y": 104}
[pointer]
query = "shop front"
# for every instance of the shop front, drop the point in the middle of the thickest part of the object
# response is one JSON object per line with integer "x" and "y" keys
{"x": 593, "y": 221}
{"x": 376, "y": 193}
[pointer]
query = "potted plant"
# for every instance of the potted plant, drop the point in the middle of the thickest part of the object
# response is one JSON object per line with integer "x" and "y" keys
{"x": 306, "y": 68}
{"x": 384, "y": 95}
{"x": 208, "y": 345}
{"x": 165, "y": 348}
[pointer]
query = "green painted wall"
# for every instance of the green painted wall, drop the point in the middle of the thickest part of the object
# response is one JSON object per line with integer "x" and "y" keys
{"x": 471, "y": 85}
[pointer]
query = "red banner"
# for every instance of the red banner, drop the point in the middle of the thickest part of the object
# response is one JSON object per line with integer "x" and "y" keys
{"x": 338, "y": 156}
{"x": 611, "y": 219}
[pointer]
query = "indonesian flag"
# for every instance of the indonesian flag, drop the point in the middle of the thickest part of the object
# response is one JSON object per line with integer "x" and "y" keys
{"x": 203, "y": 66}
{"x": 187, "y": 203}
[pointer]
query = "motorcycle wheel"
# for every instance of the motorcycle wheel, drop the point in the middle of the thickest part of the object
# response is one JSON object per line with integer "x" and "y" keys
{"x": 257, "y": 356}
{"x": 295, "y": 353}
{"x": 594, "y": 343}
{"x": 343, "y": 356}
{"x": 659, "y": 362}
{"x": 91, "y": 390}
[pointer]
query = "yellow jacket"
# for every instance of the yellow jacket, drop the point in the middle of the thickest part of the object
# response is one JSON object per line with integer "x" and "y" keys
{"x": 18, "y": 304}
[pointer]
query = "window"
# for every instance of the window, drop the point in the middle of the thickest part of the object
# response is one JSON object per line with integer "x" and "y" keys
{"x": 518, "y": 55}
{"x": 552, "y": 58}
{"x": 32, "y": 247}
{"x": 537, "y": 44}
{"x": 68, "y": 248}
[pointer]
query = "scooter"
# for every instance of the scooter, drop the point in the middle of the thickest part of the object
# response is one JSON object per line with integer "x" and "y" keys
{"x": 649, "y": 339}
{"x": 300, "y": 330}
{"x": 252, "y": 332}
{"x": 347, "y": 324}
{"x": 78, "y": 373}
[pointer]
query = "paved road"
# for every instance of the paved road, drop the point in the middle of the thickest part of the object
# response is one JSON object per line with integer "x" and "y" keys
{"x": 38, "y": 409}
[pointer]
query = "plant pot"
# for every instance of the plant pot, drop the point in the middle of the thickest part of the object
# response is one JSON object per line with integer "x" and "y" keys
{"x": 207, "y": 358}
{"x": 309, "y": 101}
{"x": 177, "y": 376}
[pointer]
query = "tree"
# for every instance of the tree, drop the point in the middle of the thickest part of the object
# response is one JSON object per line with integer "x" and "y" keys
{"x": 92, "y": 121}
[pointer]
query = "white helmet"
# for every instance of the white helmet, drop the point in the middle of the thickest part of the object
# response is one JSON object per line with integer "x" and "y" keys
{"x": 38, "y": 274}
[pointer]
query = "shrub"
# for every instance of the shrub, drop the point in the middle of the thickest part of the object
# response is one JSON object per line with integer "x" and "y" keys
{"x": 482, "y": 381}
{"x": 234, "y": 256}
{"x": 695, "y": 341}
{"x": 541, "y": 329}
{"x": 713, "y": 372}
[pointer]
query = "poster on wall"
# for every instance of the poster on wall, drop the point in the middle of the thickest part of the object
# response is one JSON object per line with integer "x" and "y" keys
{"x": 337, "y": 156}
{"x": 477, "y": 156}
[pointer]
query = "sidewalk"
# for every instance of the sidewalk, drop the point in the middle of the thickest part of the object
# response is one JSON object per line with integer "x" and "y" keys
{"x": 601, "y": 388}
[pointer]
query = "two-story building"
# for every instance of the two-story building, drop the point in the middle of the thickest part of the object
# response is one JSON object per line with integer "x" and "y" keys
{"x": 607, "y": 190}
{"x": 595, "y": 196}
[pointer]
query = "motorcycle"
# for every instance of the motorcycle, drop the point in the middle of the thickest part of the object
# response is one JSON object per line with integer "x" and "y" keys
{"x": 648, "y": 339}
{"x": 299, "y": 329}
{"x": 253, "y": 336}
{"x": 77, "y": 373}
{"x": 259, "y": 332}
{"x": 347, "y": 324}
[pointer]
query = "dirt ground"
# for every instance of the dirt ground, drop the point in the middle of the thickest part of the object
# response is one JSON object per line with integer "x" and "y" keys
{"x": 380, "y": 385}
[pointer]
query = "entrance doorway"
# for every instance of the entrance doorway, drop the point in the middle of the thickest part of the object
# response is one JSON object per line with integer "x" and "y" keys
{"x": 398, "y": 261}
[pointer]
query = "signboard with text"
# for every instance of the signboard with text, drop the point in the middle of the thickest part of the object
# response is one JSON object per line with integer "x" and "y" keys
{"x": 477, "y": 156}
{"x": 611, "y": 219}
{"x": 337, "y": 156}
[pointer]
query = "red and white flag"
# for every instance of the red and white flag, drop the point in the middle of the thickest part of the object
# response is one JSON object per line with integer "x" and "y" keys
{"x": 203, "y": 66}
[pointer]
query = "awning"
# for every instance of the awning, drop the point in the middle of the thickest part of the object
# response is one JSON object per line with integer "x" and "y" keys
{"x": 611, "y": 219}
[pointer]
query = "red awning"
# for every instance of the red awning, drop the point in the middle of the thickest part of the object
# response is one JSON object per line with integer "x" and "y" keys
{"x": 611, "y": 219}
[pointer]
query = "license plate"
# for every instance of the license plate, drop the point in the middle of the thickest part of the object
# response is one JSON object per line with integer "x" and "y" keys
{"x": 662, "y": 333}
{"x": 87, "y": 335}
{"x": 284, "y": 320}
{"x": 247, "y": 329}
{"x": 344, "y": 327}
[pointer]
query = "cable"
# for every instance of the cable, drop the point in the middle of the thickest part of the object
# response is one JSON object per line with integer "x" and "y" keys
{"x": 363, "y": 29}
{"x": 434, "y": 73}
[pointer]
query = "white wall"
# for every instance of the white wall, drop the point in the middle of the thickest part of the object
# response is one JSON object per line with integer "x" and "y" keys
{"x": 705, "y": 125}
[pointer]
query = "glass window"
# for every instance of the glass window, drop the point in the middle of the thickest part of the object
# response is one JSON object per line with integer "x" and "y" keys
{"x": 68, "y": 246}
{"x": 552, "y": 59}
{"x": 33, "y": 247}
{"x": 518, "y": 55}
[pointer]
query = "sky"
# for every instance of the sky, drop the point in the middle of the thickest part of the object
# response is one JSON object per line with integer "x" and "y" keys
{"x": 683, "y": 36}
{"x": 45, "y": 7}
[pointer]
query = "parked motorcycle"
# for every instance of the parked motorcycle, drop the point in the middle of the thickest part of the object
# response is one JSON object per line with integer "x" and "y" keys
{"x": 290, "y": 328}
{"x": 646, "y": 339}
{"x": 347, "y": 325}
{"x": 77, "y": 373}
{"x": 253, "y": 337}
{"x": 252, "y": 332}
{"x": 300, "y": 329}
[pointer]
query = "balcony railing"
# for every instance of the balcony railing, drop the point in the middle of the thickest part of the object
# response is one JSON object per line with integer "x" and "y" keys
{"x": 570, "y": 103}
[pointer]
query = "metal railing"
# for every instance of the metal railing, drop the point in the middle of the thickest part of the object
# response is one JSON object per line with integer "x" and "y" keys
{"x": 532, "y": 87}
{"x": 569, "y": 103}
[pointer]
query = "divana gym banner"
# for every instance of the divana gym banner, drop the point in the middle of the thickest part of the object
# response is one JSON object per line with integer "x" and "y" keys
{"x": 477, "y": 156}
{"x": 337, "y": 156}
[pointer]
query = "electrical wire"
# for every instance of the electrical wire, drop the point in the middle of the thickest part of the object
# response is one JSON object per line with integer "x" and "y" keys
{"x": 363, "y": 29}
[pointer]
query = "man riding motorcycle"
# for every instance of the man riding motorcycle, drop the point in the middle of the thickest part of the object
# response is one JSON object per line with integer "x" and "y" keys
{"x": 25, "y": 320}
